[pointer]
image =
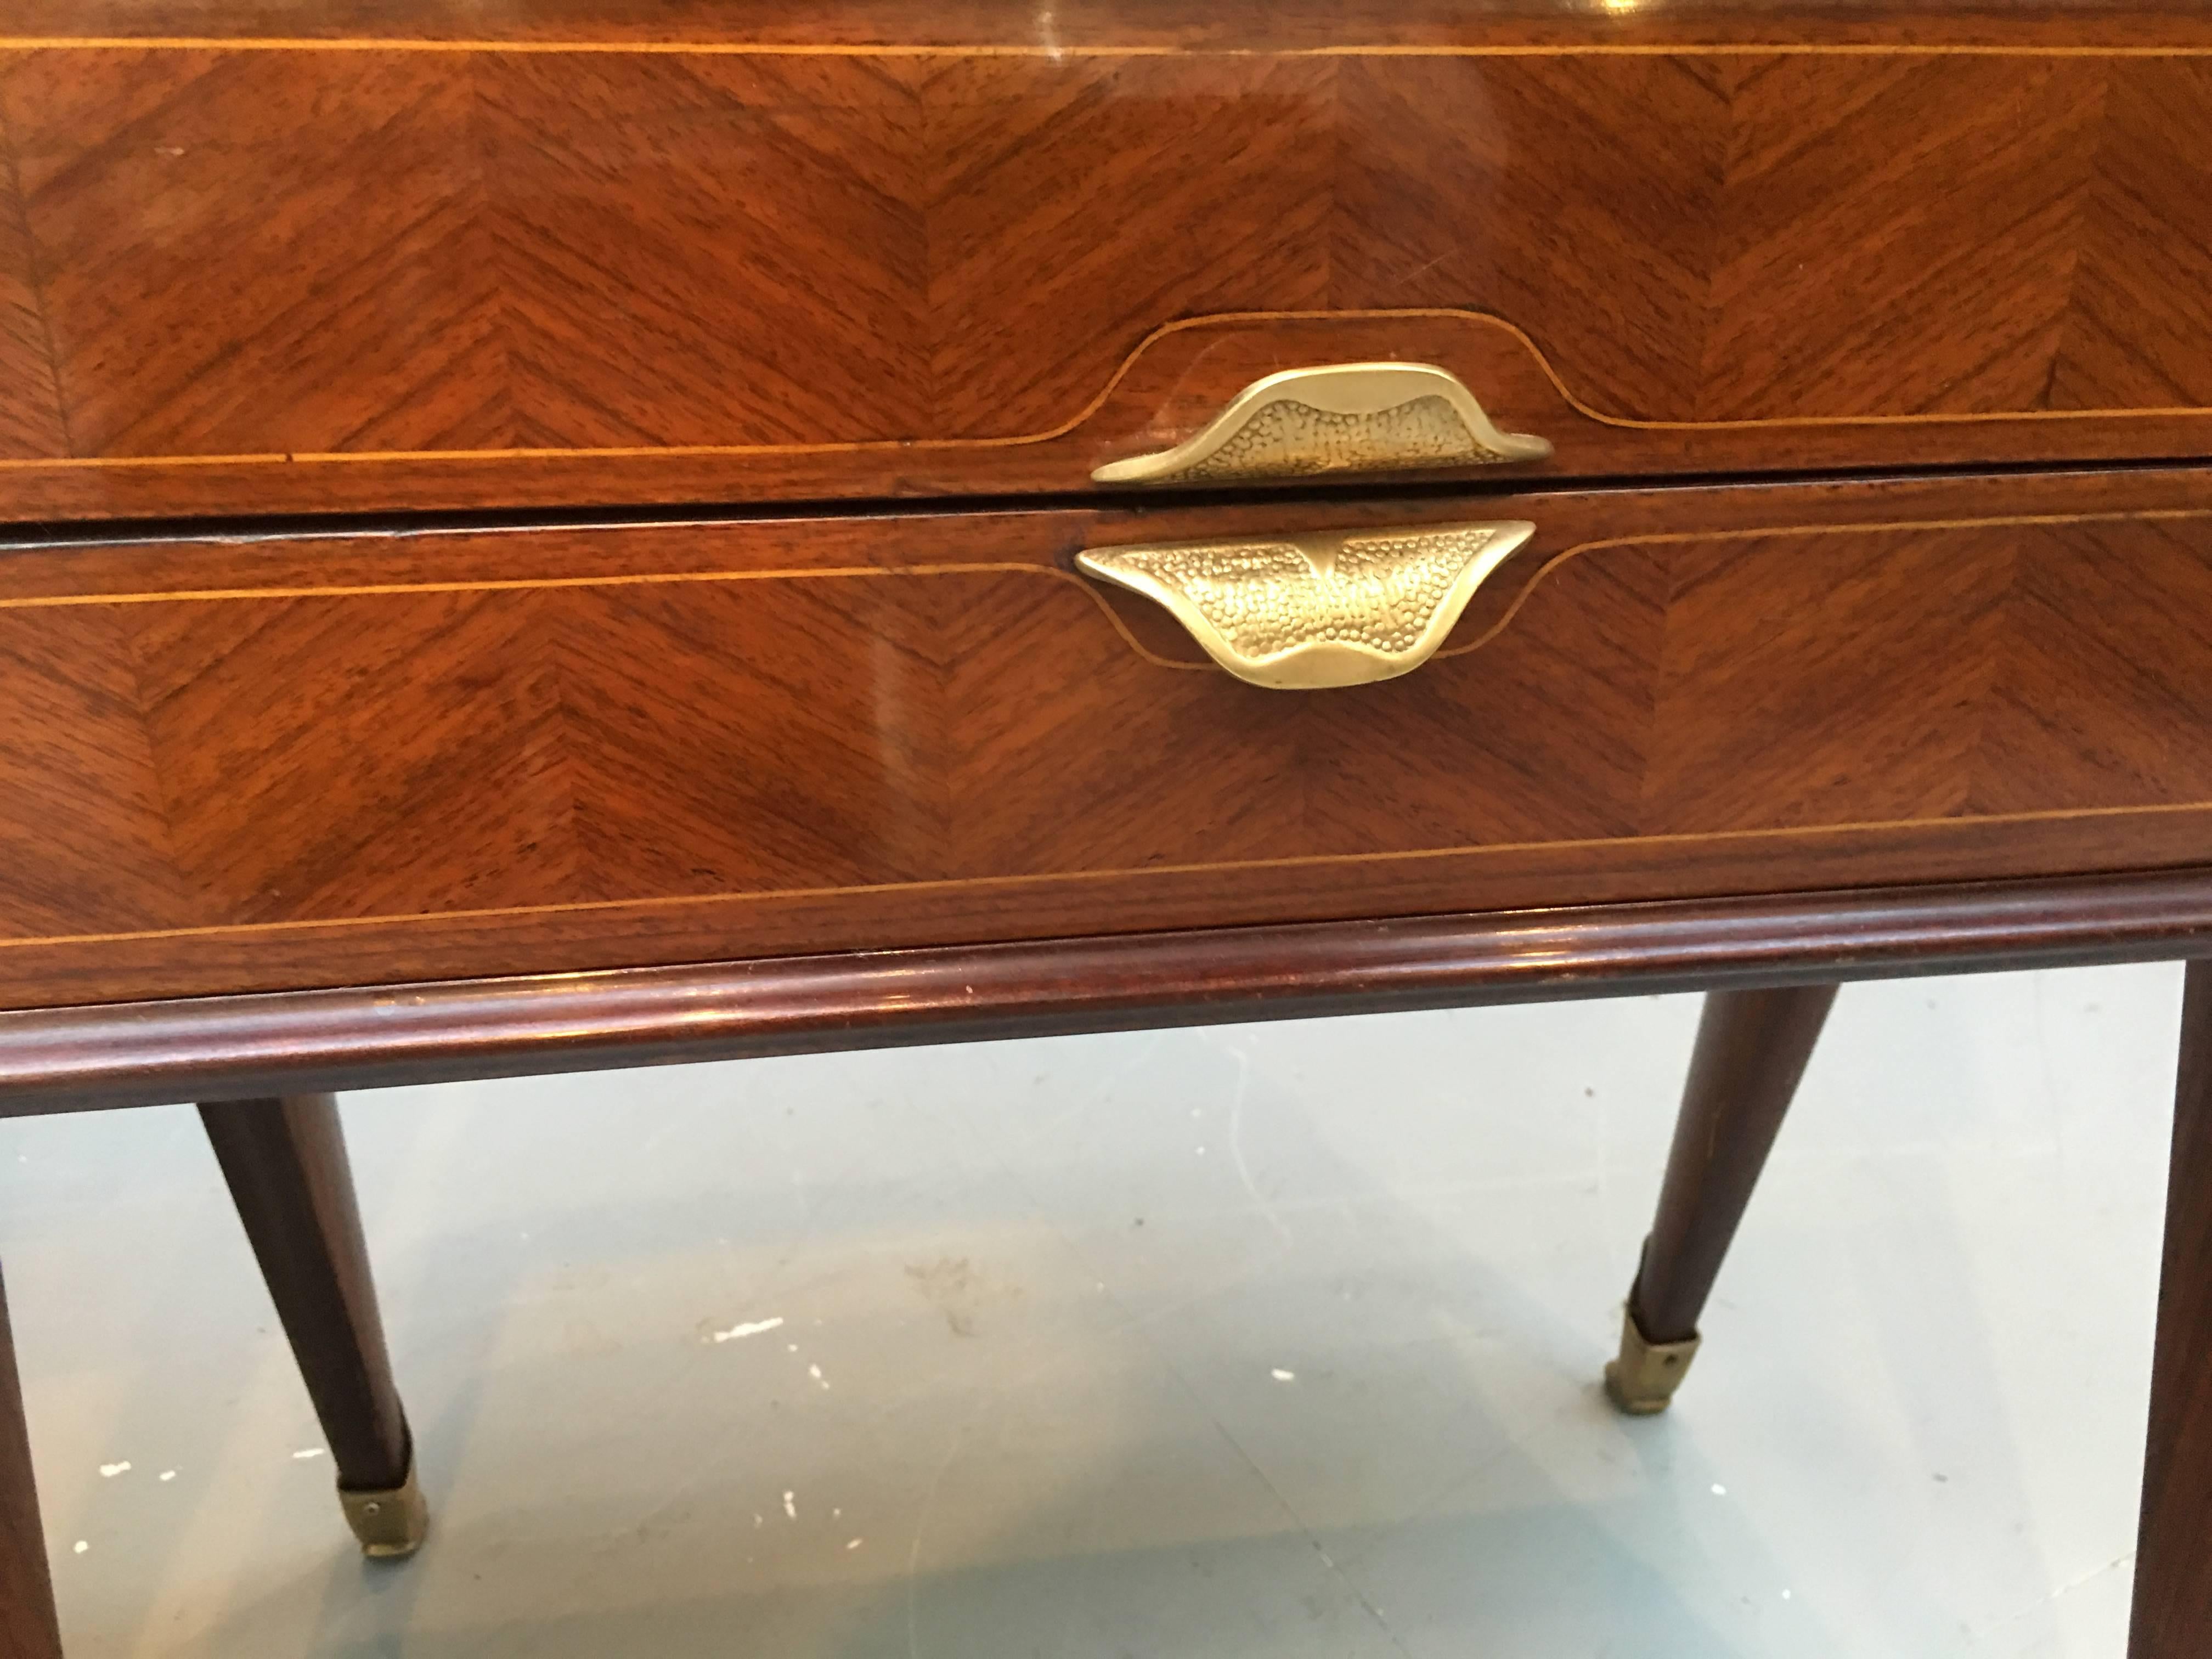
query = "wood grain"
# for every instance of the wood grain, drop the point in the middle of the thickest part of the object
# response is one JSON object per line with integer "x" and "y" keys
{"x": 284, "y": 1159}
{"x": 1751, "y": 1049}
{"x": 500, "y": 278}
{"x": 2173, "y": 1577}
{"x": 1169, "y": 388}
{"x": 325, "y": 759}
{"x": 32, "y": 421}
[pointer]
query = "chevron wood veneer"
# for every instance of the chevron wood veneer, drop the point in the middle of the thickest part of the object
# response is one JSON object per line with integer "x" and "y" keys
{"x": 489, "y": 276}
{"x": 481, "y": 750}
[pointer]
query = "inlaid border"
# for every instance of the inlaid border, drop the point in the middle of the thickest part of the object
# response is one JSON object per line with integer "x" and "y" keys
{"x": 1007, "y": 882}
{"x": 1098, "y": 401}
{"x": 1055, "y": 52}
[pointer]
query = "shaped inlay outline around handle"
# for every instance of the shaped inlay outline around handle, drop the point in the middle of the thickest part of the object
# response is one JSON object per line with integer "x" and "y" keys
{"x": 1339, "y": 417}
{"x": 1314, "y": 612}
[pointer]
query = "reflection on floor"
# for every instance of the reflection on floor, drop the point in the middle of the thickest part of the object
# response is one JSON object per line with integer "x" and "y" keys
{"x": 1271, "y": 1341}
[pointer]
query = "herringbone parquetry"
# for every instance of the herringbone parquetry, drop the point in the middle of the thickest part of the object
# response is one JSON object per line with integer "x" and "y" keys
{"x": 211, "y": 252}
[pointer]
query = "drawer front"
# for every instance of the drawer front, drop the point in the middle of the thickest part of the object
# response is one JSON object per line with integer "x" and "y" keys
{"x": 266, "y": 276}
{"x": 361, "y": 760}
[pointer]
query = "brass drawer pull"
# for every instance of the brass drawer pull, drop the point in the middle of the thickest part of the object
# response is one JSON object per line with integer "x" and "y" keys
{"x": 1345, "y": 417}
{"x": 1304, "y": 613}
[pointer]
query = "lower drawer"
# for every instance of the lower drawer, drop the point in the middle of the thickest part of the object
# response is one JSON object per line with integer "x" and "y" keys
{"x": 358, "y": 759}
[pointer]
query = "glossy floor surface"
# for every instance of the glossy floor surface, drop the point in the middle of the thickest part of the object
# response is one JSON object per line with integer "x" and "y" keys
{"x": 1270, "y": 1341}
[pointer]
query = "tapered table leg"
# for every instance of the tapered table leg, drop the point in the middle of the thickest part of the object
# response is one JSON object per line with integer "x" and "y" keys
{"x": 28, "y": 1628}
{"x": 286, "y": 1163}
{"x": 1751, "y": 1050}
{"x": 2174, "y": 1555}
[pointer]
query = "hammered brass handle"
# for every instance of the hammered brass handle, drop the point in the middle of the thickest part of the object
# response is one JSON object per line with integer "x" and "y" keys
{"x": 1343, "y": 417}
{"x": 1304, "y": 613}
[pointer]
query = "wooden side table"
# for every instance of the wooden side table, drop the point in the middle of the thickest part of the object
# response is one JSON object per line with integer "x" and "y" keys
{"x": 548, "y": 537}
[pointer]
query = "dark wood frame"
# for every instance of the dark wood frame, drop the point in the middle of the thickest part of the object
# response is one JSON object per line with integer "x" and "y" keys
{"x": 1751, "y": 1049}
{"x": 287, "y": 1166}
{"x": 306, "y": 1041}
{"x": 284, "y": 1158}
{"x": 2173, "y": 1560}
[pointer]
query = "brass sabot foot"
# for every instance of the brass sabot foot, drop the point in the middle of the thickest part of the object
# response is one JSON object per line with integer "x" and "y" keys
{"x": 1642, "y": 1380}
{"x": 390, "y": 1524}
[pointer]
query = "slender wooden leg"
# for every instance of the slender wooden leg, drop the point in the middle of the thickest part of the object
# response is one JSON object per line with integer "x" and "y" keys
{"x": 1752, "y": 1048}
{"x": 286, "y": 1163}
{"x": 29, "y": 1627}
{"x": 2173, "y": 1552}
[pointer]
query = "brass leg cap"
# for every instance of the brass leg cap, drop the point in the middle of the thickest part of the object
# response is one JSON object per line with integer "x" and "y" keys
{"x": 1643, "y": 1381}
{"x": 390, "y": 1524}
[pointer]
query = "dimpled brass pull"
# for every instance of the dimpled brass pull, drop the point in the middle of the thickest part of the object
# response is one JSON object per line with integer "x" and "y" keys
{"x": 1343, "y": 417}
{"x": 1305, "y": 613}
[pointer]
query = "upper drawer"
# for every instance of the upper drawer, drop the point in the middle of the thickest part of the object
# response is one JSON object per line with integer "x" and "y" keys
{"x": 250, "y": 276}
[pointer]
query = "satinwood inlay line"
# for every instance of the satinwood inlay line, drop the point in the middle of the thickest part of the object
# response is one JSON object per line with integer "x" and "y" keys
{"x": 886, "y": 446}
{"x": 650, "y": 579}
{"x": 1315, "y": 861}
{"x": 1747, "y": 835}
{"x": 771, "y": 49}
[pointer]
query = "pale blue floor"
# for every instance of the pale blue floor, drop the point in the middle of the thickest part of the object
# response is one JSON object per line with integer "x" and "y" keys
{"x": 1263, "y": 1340}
